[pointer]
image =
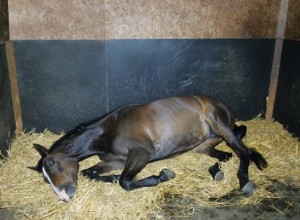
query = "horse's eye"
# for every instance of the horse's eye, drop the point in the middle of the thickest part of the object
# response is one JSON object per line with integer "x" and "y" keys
{"x": 50, "y": 162}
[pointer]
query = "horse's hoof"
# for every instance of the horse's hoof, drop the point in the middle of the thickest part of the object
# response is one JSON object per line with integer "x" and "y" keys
{"x": 248, "y": 189}
{"x": 89, "y": 173}
{"x": 166, "y": 174}
{"x": 85, "y": 172}
{"x": 219, "y": 176}
{"x": 115, "y": 179}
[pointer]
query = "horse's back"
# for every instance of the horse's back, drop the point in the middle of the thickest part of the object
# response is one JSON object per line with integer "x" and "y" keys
{"x": 185, "y": 109}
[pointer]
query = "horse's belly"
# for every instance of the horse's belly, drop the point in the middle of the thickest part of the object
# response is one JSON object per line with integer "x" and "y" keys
{"x": 177, "y": 144}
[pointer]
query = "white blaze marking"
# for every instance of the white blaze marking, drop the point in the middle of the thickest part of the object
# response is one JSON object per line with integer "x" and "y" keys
{"x": 61, "y": 194}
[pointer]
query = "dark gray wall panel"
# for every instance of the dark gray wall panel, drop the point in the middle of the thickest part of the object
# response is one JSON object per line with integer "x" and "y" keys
{"x": 7, "y": 120}
{"x": 287, "y": 104}
{"x": 61, "y": 83}
{"x": 235, "y": 71}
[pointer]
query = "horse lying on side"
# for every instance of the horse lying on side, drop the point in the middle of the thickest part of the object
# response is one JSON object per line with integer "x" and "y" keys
{"x": 132, "y": 136}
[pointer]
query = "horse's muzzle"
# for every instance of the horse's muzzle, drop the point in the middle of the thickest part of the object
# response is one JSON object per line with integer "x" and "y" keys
{"x": 66, "y": 192}
{"x": 69, "y": 190}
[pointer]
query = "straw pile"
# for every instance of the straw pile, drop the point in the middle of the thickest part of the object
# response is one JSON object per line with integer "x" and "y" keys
{"x": 25, "y": 192}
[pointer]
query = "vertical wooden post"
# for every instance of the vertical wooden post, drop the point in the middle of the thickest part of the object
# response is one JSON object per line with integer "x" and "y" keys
{"x": 11, "y": 63}
{"x": 4, "y": 33}
{"x": 276, "y": 58}
{"x": 14, "y": 85}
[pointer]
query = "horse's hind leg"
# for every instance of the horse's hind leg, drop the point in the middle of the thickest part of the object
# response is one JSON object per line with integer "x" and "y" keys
{"x": 240, "y": 150}
{"x": 240, "y": 132}
{"x": 137, "y": 160}
{"x": 208, "y": 147}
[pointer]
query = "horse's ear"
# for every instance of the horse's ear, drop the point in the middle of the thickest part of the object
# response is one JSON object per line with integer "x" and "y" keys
{"x": 41, "y": 149}
{"x": 35, "y": 168}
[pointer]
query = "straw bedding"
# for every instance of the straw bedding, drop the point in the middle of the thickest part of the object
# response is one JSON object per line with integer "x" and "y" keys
{"x": 25, "y": 192}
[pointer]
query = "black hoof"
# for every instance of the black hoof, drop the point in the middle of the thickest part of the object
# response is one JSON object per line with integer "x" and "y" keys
{"x": 166, "y": 175}
{"x": 219, "y": 176}
{"x": 86, "y": 172}
{"x": 115, "y": 178}
{"x": 91, "y": 174}
{"x": 249, "y": 188}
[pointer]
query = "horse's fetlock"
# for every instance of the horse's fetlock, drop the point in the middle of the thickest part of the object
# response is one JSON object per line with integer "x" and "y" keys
{"x": 242, "y": 175}
{"x": 243, "y": 178}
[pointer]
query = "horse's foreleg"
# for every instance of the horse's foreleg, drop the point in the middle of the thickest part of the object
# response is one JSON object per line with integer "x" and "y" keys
{"x": 109, "y": 178}
{"x": 137, "y": 160}
{"x": 102, "y": 167}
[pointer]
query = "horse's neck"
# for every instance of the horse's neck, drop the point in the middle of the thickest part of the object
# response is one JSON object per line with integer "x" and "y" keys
{"x": 97, "y": 146}
{"x": 90, "y": 139}
{"x": 80, "y": 146}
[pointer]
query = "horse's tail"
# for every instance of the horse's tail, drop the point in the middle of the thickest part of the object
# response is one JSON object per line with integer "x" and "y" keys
{"x": 255, "y": 156}
{"x": 258, "y": 159}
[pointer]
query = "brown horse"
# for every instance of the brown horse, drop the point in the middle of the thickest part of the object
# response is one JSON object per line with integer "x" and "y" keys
{"x": 132, "y": 136}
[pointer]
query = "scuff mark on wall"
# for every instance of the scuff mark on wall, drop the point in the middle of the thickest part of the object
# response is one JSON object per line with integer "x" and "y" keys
{"x": 187, "y": 82}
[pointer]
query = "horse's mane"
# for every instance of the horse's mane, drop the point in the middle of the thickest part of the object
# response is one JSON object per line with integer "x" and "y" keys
{"x": 79, "y": 129}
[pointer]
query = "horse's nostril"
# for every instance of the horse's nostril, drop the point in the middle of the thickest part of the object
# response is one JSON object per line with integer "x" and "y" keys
{"x": 63, "y": 187}
{"x": 70, "y": 190}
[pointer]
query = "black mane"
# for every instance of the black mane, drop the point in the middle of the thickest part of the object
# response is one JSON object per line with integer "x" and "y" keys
{"x": 79, "y": 129}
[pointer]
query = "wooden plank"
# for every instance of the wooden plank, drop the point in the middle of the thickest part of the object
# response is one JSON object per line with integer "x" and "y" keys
{"x": 4, "y": 33}
{"x": 276, "y": 59}
{"x": 14, "y": 85}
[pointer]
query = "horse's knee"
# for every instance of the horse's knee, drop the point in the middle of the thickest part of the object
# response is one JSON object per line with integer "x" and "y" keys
{"x": 125, "y": 184}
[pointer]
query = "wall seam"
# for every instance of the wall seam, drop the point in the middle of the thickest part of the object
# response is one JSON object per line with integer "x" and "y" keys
{"x": 106, "y": 59}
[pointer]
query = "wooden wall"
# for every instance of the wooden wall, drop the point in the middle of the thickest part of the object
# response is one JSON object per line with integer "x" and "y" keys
{"x": 147, "y": 19}
{"x": 293, "y": 20}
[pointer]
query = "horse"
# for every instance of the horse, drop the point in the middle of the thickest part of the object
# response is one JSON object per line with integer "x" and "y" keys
{"x": 131, "y": 136}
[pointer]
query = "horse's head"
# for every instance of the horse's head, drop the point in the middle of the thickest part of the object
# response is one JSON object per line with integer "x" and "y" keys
{"x": 59, "y": 170}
